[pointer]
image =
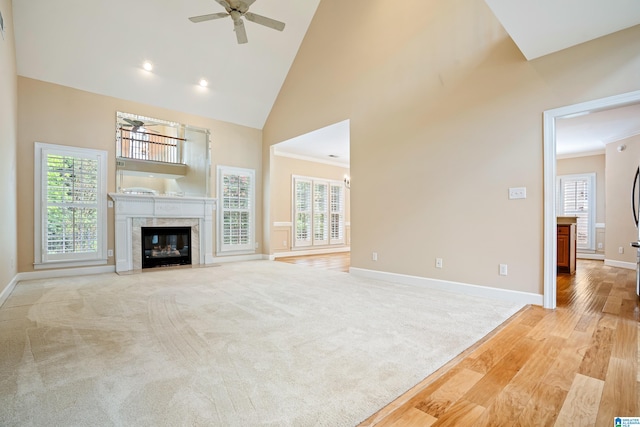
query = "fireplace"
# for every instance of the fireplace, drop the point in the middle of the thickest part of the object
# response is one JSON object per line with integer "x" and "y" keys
{"x": 134, "y": 211}
{"x": 163, "y": 246}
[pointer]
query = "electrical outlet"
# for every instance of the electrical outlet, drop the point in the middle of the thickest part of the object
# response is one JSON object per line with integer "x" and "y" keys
{"x": 109, "y": 252}
{"x": 438, "y": 262}
{"x": 503, "y": 269}
{"x": 109, "y": 203}
{"x": 284, "y": 243}
{"x": 518, "y": 193}
{"x": 600, "y": 245}
{"x": 374, "y": 256}
{"x": 621, "y": 250}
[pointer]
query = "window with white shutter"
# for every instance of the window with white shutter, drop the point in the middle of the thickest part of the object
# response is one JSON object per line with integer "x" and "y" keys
{"x": 236, "y": 221}
{"x": 70, "y": 205}
{"x": 318, "y": 212}
{"x": 337, "y": 214}
{"x": 303, "y": 212}
{"x": 576, "y": 197}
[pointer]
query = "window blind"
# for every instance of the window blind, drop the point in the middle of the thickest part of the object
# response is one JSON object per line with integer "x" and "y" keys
{"x": 318, "y": 211}
{"x": 70, "y": 201}
{"x": 237, "y": 207}
{"x": 577, "y": 198}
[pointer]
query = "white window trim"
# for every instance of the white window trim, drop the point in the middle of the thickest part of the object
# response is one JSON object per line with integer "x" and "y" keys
{"x": 591, "y": 221}
{"x": 225, "y": 249}
{"x": 41, "y": 260}
{"x": 313, "y": 243}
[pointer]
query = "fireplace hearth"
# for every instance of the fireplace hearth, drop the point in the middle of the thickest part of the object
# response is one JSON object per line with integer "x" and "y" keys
{"x": 165, "y": 246}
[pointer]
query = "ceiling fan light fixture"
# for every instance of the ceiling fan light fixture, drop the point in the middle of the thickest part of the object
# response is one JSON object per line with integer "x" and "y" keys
{"x": 147, "y": 65}
{"x": 203, "y": 83}
{"x": 237, "y": 10}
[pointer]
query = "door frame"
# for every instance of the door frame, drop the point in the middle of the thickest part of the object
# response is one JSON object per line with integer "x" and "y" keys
{"x": 549, "y": 136}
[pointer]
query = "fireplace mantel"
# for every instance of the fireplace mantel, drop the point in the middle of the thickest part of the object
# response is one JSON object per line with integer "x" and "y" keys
{"x": 132, "y": 209}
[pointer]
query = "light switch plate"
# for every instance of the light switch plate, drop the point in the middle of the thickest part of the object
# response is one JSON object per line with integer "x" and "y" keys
{"x": 518, "y": 193}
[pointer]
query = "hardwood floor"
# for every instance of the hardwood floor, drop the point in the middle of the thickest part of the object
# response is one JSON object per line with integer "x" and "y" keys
{"x": 339, "y": 261}
{"x": 573, "y": 366}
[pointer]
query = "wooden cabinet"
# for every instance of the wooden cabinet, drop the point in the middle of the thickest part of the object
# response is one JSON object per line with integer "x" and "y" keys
{"x": 566, "y": 248}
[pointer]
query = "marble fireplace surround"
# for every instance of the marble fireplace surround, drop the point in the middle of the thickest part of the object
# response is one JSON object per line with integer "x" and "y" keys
{"x": 134, "y": 211}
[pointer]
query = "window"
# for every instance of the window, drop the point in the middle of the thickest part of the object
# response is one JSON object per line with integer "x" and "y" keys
{"x": 318, "y": 212}
{"x": 236, "y": 221}
{"x": 70, "y": 204}
{"x": 337, "y": 214}
{"x": 576, "y": 197}
{"x": 303, "y": 212}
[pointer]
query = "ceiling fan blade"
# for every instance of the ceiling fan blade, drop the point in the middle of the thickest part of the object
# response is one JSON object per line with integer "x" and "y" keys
{"x": 134, "y": 123}
{"x": 241, "y": 33}
{"x": 263, "y": 20}
{"x": 224, "y": 4}
{"x": 209, "y": 17}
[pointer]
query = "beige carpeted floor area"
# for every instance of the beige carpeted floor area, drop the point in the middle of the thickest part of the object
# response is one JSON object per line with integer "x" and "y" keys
{"x": 252, "y": 343}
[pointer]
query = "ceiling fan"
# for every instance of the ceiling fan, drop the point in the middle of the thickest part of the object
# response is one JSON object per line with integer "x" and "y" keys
{"x": 237, "y": 9}
{"x": 137, "y": 125}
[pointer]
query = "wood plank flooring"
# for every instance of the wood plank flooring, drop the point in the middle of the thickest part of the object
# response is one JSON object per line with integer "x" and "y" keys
{"x": 573, "y": 366}
{"x": 339, "y": 261}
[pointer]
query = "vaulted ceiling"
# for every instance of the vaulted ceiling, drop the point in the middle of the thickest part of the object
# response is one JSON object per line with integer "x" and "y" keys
{"x": 100, "y": 46}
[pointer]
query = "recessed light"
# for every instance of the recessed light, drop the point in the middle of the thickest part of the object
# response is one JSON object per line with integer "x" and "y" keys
{"x": 204, "y": 83}
{"x": 147, "y": 65}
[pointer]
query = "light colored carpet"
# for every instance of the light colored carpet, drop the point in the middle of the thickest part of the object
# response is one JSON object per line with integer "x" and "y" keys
{"x": 241, "y": 344}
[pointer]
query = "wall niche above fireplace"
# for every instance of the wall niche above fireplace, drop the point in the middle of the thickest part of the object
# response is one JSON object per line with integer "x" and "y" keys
{"x": 161, "y": 157}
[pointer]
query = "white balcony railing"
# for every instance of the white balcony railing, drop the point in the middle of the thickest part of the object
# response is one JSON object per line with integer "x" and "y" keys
{"x": 150, "y": 146}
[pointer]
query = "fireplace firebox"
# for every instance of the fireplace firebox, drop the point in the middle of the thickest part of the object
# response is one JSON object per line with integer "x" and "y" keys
{"x": 164, "y": 246}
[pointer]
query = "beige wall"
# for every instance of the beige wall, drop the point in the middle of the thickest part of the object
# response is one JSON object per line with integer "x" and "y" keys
{"x": 445, "y": 115}
{"x": 60, "y": 115}
{"x": 8, "y": 140}
{"x": 283, "y": 168}
{"x": 590, "y": 164}
{"x": 621, "y": 168}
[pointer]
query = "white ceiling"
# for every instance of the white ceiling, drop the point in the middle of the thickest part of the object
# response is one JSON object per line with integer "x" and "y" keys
{"x": 99, "y": 46}
{"x": 591, "y": 132}
{"x": 328, "y": 145}
{"x": 540, "y": 27}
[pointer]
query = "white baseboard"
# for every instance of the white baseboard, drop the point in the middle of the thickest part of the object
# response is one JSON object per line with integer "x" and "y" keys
{"x": 46, "y": 274}
{"x": 309, "y": 252}
{"x": 443, "y": 285}
{"x": 582, "y": 255}
{"x": 66, "y": 272}
{"x": 620, "y": 264}
{"x": 237, "y": 258}
{"x": 8, "y": 289}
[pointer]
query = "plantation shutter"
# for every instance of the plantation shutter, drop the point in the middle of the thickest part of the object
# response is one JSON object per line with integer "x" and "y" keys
{"x": 318, "y": 212}
{"x": 337, "y": 214}
{"x": 576, "y": 198}
{"x": 237, "y": 207}
{"x": 303, "y": 212}
{"x": 71, "y": 204}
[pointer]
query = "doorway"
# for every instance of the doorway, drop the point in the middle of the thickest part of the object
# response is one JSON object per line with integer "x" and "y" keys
{"x": 550, "y": 209}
